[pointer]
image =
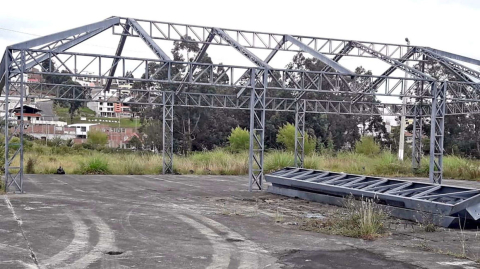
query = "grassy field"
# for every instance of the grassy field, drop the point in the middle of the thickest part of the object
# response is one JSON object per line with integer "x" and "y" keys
{"x": 62, "y": 113}
{"x": 46, "y": 160}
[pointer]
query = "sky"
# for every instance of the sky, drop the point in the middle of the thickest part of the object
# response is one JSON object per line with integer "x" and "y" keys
{"x": 441, "y": 24}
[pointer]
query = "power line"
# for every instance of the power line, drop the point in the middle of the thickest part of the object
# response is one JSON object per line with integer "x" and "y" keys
{"x": 93, "y": 45}
{"x": 11, "y": 30}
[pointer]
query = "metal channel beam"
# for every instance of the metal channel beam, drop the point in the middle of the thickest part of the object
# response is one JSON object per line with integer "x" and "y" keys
{"x": 267, "y": 60}
{"x": 62, "y": 35}
{"x": 197, "y": 59}
{"x": 454, "y": 56}
{"x": 65, "y": 46}
{"x": 148, "y": 40}
{"x": 344, "y": 51}
{"x": 456, "y": 68}
{"x": 377, "y": 82}
{"x": 118, "y": 52}
{"x": 245, "y": 52}
{"x": 339, "y": 68}
{"x": 393, "y": 62}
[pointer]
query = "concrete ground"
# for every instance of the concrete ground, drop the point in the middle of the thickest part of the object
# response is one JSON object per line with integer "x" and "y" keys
{"x": 70, "y": 221}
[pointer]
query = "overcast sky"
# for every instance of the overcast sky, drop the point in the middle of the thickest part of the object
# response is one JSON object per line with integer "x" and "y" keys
{"x": 441, "y": 24}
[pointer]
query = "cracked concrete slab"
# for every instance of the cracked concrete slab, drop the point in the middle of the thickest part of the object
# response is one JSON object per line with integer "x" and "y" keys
{"x": 173, "y": 221}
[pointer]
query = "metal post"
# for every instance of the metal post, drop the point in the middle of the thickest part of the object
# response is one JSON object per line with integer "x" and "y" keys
{"x": 168, "y": 103}
{"x": 14, "y": 175}
{"x": 257, "y": 130}
{"x": 6, "y": 120}
{"x": 437, "y": 132}
{"x": 417, "y": 137}
{"x": 300, "y": 133}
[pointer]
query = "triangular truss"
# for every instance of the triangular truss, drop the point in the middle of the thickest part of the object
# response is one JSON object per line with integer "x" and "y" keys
{"x": 340, "y": 91}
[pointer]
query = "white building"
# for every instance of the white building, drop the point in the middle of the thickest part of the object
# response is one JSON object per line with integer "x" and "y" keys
{"x": 81, "y": 129}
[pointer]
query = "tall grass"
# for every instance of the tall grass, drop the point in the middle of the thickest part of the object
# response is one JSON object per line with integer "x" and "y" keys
{"x": 224, "y": 162}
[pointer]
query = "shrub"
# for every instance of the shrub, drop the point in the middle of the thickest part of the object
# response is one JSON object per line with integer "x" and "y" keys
{"x": 95, "y": 166}
{"x": 367, "y": 146}
{"x": 286, "y": 137}
{"x": 30, "y": 168}
{"x": 97, "y": 139}
{"x": 239, "y": 139}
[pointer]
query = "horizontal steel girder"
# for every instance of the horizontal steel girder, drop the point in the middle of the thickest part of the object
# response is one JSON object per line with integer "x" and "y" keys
{"x": 285, "y": 79}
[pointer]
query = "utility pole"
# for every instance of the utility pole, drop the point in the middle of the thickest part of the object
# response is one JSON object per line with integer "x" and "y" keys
{"x": 401, "y": 146}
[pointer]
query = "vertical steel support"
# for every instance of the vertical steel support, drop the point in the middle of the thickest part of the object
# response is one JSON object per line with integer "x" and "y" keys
{"x": 257, "y": 129}
{"x": 437, "y": 132}
{"x": 417, "y": 137}
{"x": 300, "y": 132}
{"x": 168, "y": 103}
{"x": 14, "y": 174}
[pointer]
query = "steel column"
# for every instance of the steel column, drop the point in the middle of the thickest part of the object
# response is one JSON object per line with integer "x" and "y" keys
{"x": 257, "y": 129}
{"x": 437, "y": 132}
{"x": 300, "y": 136}
{"x": 167, "y": 154}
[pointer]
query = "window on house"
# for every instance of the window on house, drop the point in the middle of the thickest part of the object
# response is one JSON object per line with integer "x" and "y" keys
{"x": 109, "y": 104}
{"x": 101, "y": 103}
{"x": 83, "y": 129}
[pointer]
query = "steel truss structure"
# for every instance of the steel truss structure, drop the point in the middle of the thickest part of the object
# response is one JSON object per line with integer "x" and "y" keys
{"x": 245, "y": 87}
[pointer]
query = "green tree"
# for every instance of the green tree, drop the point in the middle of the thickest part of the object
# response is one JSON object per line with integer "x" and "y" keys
{"x": 239, "y": 139}
{"x": 97, "y": 139}
{"x": 286, "y": 137}
{"x": 135, "y": 142}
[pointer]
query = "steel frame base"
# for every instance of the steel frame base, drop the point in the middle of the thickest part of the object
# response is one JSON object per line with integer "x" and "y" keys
{"x": 401, "y": 213}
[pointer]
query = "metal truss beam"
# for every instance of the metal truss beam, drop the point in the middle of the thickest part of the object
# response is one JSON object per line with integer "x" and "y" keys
{"x": 417, "y": 152}
{"x": 281, "y": 79}
{"x": 167, "y": 152}
{"x": 396, "y": 63}
{"x": 207, "y": 100}
{"x": 261, "y": 40}
{"x": 148, "y": 40}
{"x": 197, "y": 59}
{"x": 437, "y": 133}
{"x": 68, "y": 33}
{"x": 300, "y": 136}
{"x": 14, "y": 174}
{"x": 304, "y": 47}
{"x": 245, "y": 52}
{"x": 257, "y": 130}
{"x": 118, "y": 52}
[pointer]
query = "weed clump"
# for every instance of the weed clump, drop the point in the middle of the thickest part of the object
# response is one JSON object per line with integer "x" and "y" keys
{"x": 95, "y": 166}
{"x": 362, "y": 219}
